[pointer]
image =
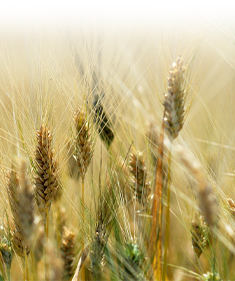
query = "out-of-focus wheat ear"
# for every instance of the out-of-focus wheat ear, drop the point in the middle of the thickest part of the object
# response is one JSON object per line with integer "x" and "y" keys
{"x": 46, "y": 179}
{"x": 199, "y": 234}
{"x": 26, "y": 206}
{"x": 97, "y": 247}
{"x": 6, "y": 251}
{"x": 55, "y": 264}
{"x": 231, "y": 206}
{"x": 38, "y": 245}
{"x": 133, "y": 262}
{"x": 205, "y": 194}
{"x": 72, "y": 162}
{"x": 140, "y": 184}
{"x": 13, "y": 192}
{"x": 174, "y": 100}
{"x": 83, "y": 142}
{"x": 60, "y": 223}
{"x": 102, "y": 121}
{"x": 67, "y": 251}
{"x": 19, "y": 243}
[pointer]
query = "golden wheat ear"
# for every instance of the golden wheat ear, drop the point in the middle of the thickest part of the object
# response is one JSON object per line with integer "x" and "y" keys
{"x": 174, "y": 100}
{"x": 46, "y": 179}
{"x": 67, "y": 251}
{"x": 83, "y": 142}
{"x": 140, "y": 184}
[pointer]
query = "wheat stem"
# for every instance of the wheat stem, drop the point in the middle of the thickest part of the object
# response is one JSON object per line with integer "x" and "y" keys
{"x": 167, "y": 233}
{"x": 46, "y": 245}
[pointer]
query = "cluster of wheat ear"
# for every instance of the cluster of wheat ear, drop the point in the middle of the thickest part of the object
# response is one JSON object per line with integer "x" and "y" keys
{"x": 122, "y": 209}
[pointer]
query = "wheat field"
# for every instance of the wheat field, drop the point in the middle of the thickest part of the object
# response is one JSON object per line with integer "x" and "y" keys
{"x": 117, "y": 151}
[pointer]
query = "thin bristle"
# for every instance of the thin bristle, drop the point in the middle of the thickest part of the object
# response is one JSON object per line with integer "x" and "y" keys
{"x": 46, "y": 179}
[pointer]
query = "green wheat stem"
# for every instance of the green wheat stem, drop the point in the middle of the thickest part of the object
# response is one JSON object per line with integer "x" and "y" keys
{"x": 167, "y": 234}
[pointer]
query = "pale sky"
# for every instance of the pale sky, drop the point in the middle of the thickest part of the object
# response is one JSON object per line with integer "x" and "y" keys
{"x": 121, "y": 12}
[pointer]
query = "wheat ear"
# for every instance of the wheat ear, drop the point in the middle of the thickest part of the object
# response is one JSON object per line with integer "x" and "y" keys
{"x": 102, "y": 121}
{"x": 173, "y": 122}
{"x": 140, "y": 184}
{"x": 83, "y": 142}
{"x": 174, "y": 100}
{"x": 206, "y": 197}
{"x": 46, "y": 179}
{"x": 83, "y": 150}
{"x": 199, "y": 233}
{"x": 19, "y": 242}
{"x": 67, "y": 251}
{"x": 6, "y": 251}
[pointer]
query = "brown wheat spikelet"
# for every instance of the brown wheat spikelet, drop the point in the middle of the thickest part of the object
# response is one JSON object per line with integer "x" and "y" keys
{"x": 139, "y": 181}
{"x": 67, "y": 251}
{"x": 174, "y": 100}
{"x": 83, "y": 142}
{"x": 46, "y": 179}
